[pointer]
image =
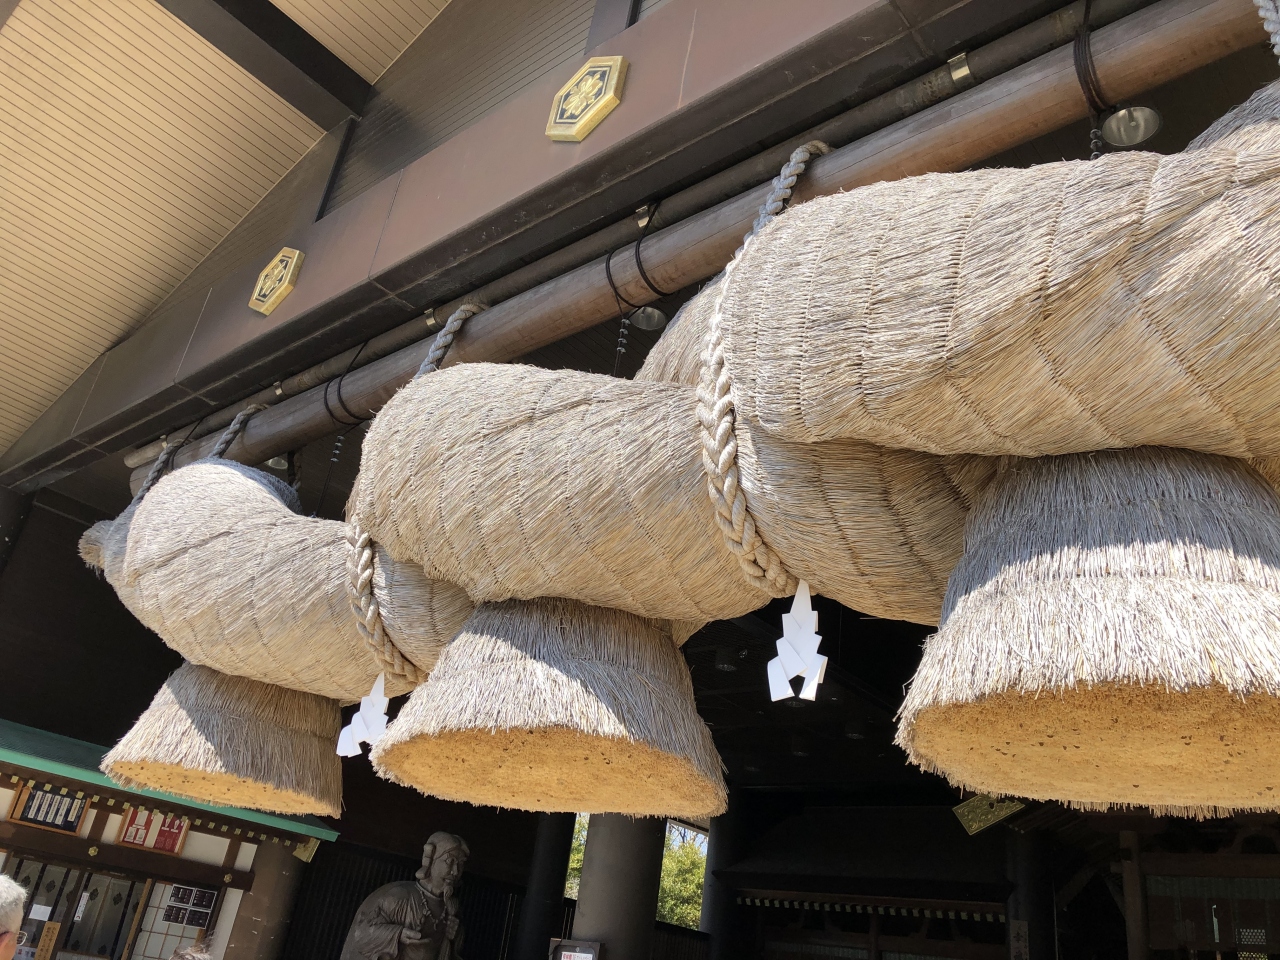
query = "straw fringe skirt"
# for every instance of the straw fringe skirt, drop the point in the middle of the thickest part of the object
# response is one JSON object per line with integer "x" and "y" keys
{"x": 234, "y": 742}
{"x": 555, "y": 705}
{"x": 1111, "y": 635}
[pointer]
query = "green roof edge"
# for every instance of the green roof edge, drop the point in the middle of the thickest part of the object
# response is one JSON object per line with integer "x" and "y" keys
{"x": 306, "y": 825}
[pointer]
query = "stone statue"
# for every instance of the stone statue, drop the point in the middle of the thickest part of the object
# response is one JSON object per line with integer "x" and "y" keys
{"x": 414, "y": 920}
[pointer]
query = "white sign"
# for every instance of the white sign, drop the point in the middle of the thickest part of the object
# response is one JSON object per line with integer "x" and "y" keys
{"x": 40, "y": 913}
{"x": 574, "y": 955}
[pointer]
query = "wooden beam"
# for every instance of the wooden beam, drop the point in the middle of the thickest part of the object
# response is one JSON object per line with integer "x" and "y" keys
{"x": 1133, "y": 55}
{"x": 262, "y": 39}
{"x": 108, "y": 856}
{"x": 609, "y": 19}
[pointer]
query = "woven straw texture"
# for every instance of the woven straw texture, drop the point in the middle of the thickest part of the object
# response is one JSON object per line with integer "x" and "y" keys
{"x": 677, "y": 356}
{"x": 217, "y": 563}
{"x": 518, "y": 482}
{"x": 554, "y": 705}
{"x": 1110, "y": 636}
{"x": 878, "y": 530}
{"x": 1063, "y": 308}
{"x": 234, "y": 742}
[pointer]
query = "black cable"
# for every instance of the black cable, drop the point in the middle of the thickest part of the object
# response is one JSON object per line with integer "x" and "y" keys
{"x": 355, "y": 418}
{"x": 644, "y": 232}
{"x": 1087, "y": 75}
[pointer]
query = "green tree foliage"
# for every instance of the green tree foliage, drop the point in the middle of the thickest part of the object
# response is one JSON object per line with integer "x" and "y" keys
{"x": 684, "y": 860}
{"x": 574, "y": 876}
{"x": 683, "y": 863}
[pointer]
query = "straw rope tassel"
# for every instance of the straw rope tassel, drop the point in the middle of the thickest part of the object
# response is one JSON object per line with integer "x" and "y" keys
{"x": 716, "y": 413}
{"x": 360, "y": 556}
{"x": 1270, "y": 13}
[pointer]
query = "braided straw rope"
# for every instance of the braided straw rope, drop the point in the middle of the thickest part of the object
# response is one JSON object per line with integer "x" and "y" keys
{"x": 762, "y": 566}
{"x": 1270, "y": 13}
{"x": 360, "y": 556}
{"x": 364, "y": 604}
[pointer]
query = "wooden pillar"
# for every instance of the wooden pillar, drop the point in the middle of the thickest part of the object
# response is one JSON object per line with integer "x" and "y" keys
{"x": 543, "y": 907}
{"x": 1135, "y": 900}
{"x": 13, "y": 514}
{"x": 1032, "y": 899}
{"x": 721, "y": 916}
{"x": 618, "y": 896}
{"x": 609, "y": 19}
{"x": 262, "y": 919}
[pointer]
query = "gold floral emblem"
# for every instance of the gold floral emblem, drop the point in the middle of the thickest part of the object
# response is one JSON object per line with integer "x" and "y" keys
{"x": 583, "y": 94}
{"x": 276, "y": 281}
{"x": 589, "y": 96}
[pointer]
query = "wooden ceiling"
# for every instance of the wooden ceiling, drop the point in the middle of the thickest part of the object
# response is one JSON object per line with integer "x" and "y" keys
{"x": 367, "y": 34}
{"x": 128, "y": 147}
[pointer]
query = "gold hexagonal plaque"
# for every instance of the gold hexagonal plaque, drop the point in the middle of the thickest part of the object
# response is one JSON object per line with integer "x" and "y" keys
{"x": 588, "y": 97}
{"x": 276, "y": 281}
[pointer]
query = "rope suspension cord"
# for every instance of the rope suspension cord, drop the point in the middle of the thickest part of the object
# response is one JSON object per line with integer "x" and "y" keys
{"x": 716, "y": 413}
{"x": 361, "y": 549}
{"x": 165, "y": 459}
{"x": 1087, "y": 74}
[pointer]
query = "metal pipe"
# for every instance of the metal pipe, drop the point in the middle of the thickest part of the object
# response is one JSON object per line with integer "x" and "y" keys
{"x": 1153, "y": 46}
{"x": 984, "y": 63}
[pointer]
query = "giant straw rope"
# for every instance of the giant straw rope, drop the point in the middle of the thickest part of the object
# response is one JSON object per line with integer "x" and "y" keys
{"x": 869, "y": 371}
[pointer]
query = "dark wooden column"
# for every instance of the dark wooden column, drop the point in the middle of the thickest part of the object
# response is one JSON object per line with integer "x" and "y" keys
{"x": 610, "y": 18}
{"x": 1135, "y": 901}
{"x": 1032, "y": 897}
{"x": 543, "y": 906}
{"x": 263, "y": 917}
{"x": 618, "y": 897}
{"x": 720, "y": 911}
{"x": 13, "y": 514}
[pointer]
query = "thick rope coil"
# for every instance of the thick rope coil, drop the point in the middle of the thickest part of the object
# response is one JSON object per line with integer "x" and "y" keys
{"x": 762, "y": 566}
{"x": 364, "y": 604}
{"x": 1270, "y": 13}
{"x": 444, "y": 339}
{"x": 233, "y": 430}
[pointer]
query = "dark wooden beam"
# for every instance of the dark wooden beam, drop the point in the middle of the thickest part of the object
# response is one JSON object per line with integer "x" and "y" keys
{"x": 36, "y": 842}
{"x": 263, "y": 40}
{"x": 610, "y": 18}
{"x": 6, "y": 8}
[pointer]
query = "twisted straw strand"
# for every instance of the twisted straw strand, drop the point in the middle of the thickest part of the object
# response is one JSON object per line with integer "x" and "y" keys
{"x": 716, "y": 413}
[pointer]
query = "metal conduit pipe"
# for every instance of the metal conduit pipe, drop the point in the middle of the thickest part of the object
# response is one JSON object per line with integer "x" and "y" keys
{"x": 1160, "y": 42}
{"x": 983, "y": 63}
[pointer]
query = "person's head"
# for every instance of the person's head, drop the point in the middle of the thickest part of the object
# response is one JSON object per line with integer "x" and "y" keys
{"x": 443, "y": 856}
{"x": 13, "y": 899}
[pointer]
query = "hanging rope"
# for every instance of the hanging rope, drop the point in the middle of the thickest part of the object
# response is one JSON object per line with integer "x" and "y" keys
{"x": 361, "y": 549}
{"x": 444, "y": 339}
{"x": 1269, "y": 10}
{"x": 165, "y": 459}
{"x": 233, "y": 430}
{"x": 716, "y": 413}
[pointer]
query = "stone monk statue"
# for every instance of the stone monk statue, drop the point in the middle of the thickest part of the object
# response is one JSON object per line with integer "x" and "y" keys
{"x": 414, "y": 920}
